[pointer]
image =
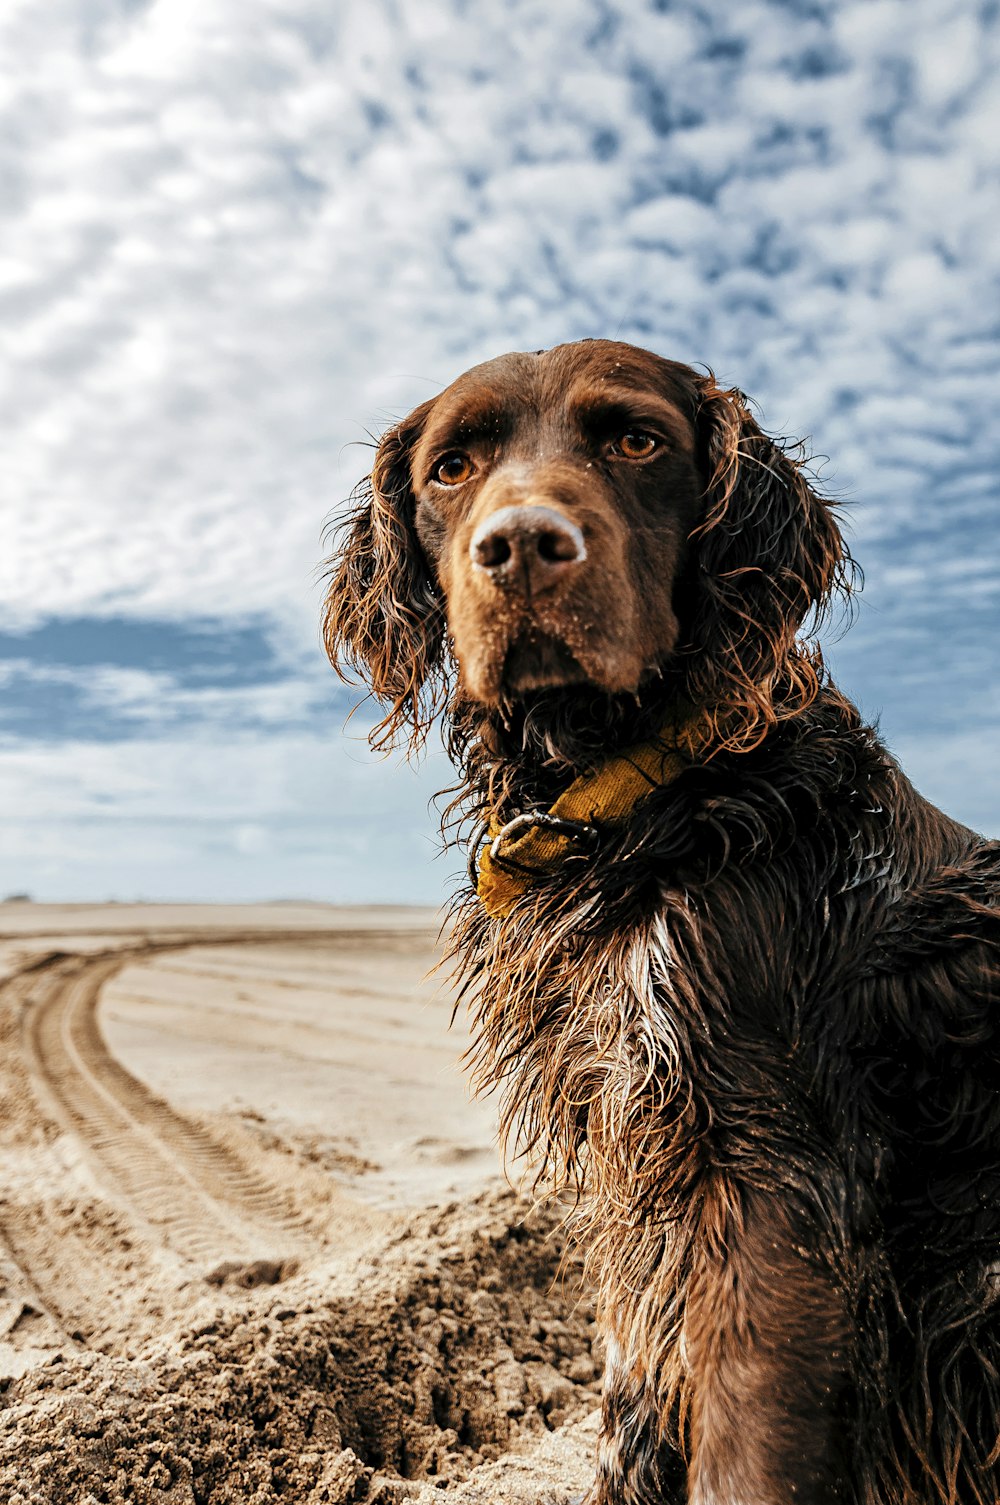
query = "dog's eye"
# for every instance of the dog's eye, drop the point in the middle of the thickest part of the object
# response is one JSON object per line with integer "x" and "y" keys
{"x": 453, "y": 470}
{"x": 635, "y": 444}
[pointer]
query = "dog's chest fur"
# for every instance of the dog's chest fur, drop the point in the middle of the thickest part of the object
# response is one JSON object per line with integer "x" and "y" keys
{"x": 681, "y": 1019}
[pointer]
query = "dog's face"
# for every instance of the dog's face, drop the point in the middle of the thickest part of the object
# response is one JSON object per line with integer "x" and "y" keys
{"x": 586, "y": 516}
{"x": 553, "y": 498}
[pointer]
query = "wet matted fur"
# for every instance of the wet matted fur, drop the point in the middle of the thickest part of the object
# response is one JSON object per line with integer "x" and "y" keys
{"x": 756, "y": 1029}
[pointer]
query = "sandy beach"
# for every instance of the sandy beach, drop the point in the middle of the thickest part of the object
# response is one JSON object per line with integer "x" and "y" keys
{"x": 255, "y": 1239}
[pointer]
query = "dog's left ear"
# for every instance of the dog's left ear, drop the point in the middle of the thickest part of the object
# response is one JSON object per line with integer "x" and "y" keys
{"x": 382, "y": 615}
{"x": 767, "y": 551}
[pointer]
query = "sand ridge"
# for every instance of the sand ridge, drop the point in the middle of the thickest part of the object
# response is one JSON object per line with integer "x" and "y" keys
{"x": 254, "y": 1240}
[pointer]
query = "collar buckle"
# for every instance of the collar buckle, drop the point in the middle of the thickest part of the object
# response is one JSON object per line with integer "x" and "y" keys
{"x": 585, "y": 835}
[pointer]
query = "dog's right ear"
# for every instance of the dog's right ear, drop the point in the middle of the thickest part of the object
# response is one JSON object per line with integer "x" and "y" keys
{"x": 383, "y": 616}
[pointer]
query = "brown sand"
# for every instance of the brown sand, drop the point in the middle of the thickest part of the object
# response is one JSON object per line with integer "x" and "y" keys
{"x": 255, "y": 1244}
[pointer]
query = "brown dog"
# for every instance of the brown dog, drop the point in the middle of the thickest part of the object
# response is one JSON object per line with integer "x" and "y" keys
{"x": 737, "y": 981}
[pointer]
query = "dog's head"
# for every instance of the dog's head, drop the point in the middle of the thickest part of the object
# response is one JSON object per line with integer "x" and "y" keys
{"x": 588, "y": 515}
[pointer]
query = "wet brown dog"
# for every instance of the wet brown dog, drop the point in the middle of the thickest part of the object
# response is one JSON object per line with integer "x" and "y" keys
{"x": 752, "y": 1018}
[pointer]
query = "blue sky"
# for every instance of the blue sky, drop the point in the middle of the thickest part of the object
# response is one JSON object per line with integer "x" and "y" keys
{"x": 240, "y": 235}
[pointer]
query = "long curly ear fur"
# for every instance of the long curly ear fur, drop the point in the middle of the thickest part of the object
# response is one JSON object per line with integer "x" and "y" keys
{"x": 767, "y": 552}
{"x": 383, "y": 620}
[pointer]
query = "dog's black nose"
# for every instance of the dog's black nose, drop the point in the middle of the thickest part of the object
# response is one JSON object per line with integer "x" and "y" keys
{"x": 527, "y": 548}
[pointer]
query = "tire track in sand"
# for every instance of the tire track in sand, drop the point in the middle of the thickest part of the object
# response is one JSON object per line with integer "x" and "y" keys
{"x": 199, "y": 1196}
{"x": 177, "y": 1194}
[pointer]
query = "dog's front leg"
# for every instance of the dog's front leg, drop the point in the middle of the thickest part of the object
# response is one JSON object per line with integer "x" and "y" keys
{"x": 637, "y": 1463}
{"x": 766, "y": 1344}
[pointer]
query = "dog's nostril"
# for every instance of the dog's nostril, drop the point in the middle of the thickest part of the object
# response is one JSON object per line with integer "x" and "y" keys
{"x": 493, "y": 550}
{"x": 555, "y": 547}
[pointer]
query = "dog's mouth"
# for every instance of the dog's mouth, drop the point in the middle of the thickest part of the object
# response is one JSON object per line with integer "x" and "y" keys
{"x": 538, "y": 660}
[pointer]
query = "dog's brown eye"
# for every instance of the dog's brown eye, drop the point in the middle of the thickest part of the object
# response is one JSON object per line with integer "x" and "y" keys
{"x": 635, "y": 444}
{"x": 453, "y": 470}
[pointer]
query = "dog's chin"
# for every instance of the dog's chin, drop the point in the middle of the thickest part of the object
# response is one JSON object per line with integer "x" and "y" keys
{"x": 548, "y": 709}
{"x": 533, "y": 660}
{"x": 538, "y": 661}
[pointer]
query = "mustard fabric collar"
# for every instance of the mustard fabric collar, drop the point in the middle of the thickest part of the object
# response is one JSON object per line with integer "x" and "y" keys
{"x": 535, "y": 845}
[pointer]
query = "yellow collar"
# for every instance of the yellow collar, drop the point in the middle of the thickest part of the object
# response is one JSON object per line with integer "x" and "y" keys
{"x": 535, "y": 845}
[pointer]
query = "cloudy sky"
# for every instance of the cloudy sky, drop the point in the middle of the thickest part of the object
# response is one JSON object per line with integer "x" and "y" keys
{"x": 238, "y": 236}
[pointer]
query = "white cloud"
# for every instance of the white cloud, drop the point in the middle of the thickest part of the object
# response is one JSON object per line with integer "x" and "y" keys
{"x": 328, "y": 820}
{"x": 239, "y": 233}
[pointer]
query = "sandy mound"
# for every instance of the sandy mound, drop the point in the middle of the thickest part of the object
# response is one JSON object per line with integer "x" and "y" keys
{"x": 457, "y": 1346}
{"x": 253, "y": 1241}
